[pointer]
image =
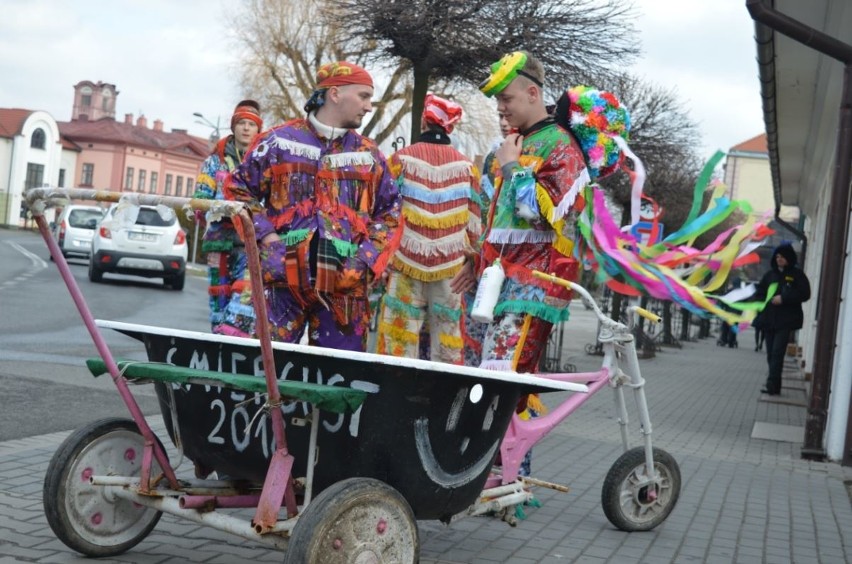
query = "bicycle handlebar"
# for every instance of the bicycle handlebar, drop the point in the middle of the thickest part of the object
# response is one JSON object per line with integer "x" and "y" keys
{"x": 652, "y": 317}
{"x": 584, "y": 294}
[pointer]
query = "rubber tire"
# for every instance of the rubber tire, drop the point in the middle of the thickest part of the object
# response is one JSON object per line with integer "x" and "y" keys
{"x": 177, "y": 281}
{"x": 95, "y": 274}
{"x": 61, "y": 485}
{"x": 623, "y": 503}
{"x": 354, "y": 509}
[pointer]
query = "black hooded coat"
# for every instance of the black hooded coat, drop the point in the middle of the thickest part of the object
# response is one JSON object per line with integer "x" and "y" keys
{"x": 793, "y": 287}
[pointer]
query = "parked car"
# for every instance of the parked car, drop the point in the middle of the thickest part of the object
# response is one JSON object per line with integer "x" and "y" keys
{"x": 152, "y": 246}
{"x": 74, "y": 228}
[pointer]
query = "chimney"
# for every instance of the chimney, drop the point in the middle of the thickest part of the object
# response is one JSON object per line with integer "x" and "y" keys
{"x": 158, "y": 125}
{"x": 141, "y": 121}
{"x": 128, "y": 119}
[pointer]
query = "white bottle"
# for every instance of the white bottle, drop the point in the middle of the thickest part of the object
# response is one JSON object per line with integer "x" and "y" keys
{"x": 487, "y": 293}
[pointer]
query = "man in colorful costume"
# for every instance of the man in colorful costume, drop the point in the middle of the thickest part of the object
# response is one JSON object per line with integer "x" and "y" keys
{"x": 530, "y": 225}
{"x": 325, "y": 210}
{"x": 441, "y": 207}
{"x": 231, "y": 312}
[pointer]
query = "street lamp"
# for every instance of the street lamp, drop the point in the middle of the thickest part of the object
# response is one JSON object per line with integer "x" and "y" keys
{"x": 214, "y": 136}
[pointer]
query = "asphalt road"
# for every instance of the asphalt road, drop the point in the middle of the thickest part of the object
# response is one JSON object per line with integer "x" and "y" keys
{"x": 44, "y": 384}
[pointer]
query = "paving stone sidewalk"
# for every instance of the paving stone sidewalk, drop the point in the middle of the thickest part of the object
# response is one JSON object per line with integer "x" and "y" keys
{"x": 743, "y": 499}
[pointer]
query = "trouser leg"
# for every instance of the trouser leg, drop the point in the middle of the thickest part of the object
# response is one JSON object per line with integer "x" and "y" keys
{"x": 444, "y": 314}
{"x": 776, "y": 347}
{"x": 401, "y": 318}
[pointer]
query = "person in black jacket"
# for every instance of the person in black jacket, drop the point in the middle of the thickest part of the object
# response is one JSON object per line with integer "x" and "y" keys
{"x": 783, "y": 314}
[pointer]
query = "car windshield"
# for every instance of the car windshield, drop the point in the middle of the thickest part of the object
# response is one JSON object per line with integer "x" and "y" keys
{"x": 84, "y": 219}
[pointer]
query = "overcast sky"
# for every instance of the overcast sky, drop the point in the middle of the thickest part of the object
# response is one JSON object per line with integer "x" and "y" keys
{"x": 170, "y": 59}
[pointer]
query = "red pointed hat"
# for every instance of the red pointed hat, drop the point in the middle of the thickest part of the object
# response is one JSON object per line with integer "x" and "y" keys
{"x": 441, "y": 112}
{"x": 341, "y": 73}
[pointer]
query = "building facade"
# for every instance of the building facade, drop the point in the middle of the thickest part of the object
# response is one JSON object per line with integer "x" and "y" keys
{"x": 801, "y": 50}
{"x": 92, "y": 150}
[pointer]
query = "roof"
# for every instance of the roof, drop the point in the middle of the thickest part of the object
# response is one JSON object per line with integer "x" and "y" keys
{"x": 756, "y": 144}
{"x": 12, "y": 120}
{"x": 109, "y": 130}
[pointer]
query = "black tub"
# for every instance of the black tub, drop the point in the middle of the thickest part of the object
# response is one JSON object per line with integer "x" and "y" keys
{"x": 430, "y": 430}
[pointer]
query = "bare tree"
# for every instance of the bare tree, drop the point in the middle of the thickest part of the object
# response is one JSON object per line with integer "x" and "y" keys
{"x": 665, "y": 138}
{"x": 457, "y": 39}
{"x": 284, "y": 42}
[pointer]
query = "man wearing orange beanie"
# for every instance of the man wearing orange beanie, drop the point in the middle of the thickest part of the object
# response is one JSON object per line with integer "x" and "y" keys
{"x": 230, "y": 310}
{"x": 326, "y": 213}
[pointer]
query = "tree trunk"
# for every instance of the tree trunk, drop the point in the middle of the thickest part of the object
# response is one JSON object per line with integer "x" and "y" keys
{"x": 418, "y": 97}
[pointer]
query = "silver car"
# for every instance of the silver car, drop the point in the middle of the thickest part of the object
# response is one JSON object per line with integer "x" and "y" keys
{"x": 74, "y": 229}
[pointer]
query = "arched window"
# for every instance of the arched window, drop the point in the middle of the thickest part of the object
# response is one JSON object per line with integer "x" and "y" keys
{"x": 37, "y": 141}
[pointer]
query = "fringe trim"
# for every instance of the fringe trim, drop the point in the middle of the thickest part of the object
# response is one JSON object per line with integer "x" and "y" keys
{"x": 563, "y": 245}
{"x": 422, "y": 245}
{"x": 426, "y": 219}
{"x": 399, "y": 306}
{"x": 501, "y": 365}
{"x": 294, "y": 237}
{"x": 538, "y": 309}
{"x": 475, "y": 197}
{"x": 216, "y": 246}
{"x": 519, "y": 236}
{"x": 435, "y": 196}
{"x": 535, "y": 404}
{"x": 340, "y": 160}
{"x": 449, "y": 313}
{"x": 423, "y": 274}
{"x": 298, "y": 149}
{"x": 433, "y": 173}
{"x": 344, "y": 248}
{"x": 450, "y": 341}
{"x": 568, "y": 199}
{"x": 474, "y": 224}
{"x": 397, "y": 334}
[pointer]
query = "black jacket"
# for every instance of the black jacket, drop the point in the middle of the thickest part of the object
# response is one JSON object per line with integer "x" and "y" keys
{"x": 793, "y": 287}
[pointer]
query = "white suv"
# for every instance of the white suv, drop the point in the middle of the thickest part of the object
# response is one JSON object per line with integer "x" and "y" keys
{"x": 141, "y": 244}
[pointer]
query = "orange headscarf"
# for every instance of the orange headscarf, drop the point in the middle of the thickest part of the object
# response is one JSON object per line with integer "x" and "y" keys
{"x": 341, "y": 73}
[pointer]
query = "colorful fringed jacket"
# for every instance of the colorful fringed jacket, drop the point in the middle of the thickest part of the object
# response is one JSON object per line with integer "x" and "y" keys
{"x": 333, "y": 202}
{"x": 549, "y": 178}
{"x": 219, "y": 235}
{"x": 441, "y": 207}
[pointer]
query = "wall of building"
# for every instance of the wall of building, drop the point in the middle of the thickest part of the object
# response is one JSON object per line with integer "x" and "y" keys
{"x": 750, "y": 179}
{"x": 20, "y": 154}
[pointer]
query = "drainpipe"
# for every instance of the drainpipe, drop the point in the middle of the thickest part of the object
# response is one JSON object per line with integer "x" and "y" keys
{"x": 837, "y": 228}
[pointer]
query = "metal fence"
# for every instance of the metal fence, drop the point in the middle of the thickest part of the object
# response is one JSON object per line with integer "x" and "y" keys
{"x": 678, "y": 325}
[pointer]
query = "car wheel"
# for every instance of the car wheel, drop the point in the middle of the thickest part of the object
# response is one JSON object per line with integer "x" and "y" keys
{"x": 95, "y": 273}
{"x": 176, "y": 282}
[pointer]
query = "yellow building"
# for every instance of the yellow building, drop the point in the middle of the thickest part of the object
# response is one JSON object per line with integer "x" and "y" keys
{"x": 749, "y": 177}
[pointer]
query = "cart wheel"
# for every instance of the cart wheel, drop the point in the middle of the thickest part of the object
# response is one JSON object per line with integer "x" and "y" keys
{"x": 87, "y": 518}
{"x": 357, "y": 521}
{"x": 630, "y": 501}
